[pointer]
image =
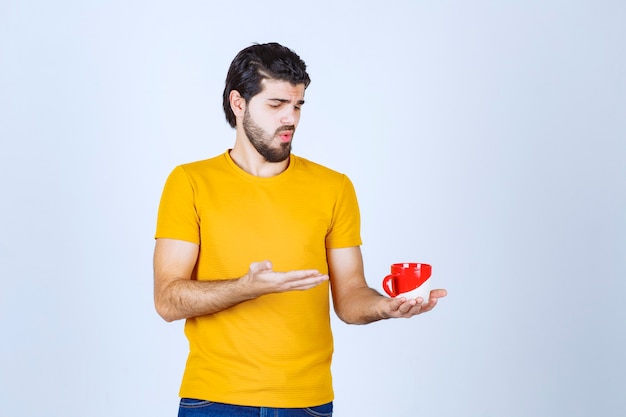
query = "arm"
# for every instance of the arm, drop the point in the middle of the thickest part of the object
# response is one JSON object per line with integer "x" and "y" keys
{"x": 177, "y": 296}
{"x": 356, "y": 303}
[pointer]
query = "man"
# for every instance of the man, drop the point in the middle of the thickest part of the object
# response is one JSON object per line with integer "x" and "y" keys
{"x": 248, "y": 244}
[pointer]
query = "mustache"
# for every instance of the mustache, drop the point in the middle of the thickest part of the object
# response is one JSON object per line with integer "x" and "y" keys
{"x": 286, "y": 128}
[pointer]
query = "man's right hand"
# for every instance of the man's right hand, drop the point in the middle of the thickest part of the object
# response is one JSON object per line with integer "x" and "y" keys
{"x": 262, "y": 279}
{"x": 177, "y": 296}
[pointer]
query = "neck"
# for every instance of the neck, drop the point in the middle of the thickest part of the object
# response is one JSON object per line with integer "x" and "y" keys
{"x": 247, "y": 158}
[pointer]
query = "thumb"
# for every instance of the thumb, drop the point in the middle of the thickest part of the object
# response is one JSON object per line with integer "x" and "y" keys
{"x": 261, "y": 266}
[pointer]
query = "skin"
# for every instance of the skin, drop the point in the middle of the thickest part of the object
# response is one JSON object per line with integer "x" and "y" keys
{"x": 275, "y": 110}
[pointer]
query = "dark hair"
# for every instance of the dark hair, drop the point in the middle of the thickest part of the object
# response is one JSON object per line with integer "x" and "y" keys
{"x": 256, "y": 63}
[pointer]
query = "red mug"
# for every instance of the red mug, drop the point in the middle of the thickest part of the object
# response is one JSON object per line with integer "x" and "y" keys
{"x": 406, "y": 277}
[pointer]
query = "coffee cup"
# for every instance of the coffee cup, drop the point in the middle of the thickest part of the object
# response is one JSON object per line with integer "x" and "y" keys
{"x": 408, "y": 280}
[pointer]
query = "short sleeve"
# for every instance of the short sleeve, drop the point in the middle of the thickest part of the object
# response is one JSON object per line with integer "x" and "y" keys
{"x": 345, "y": 229}
{"x": 177, "y": 216}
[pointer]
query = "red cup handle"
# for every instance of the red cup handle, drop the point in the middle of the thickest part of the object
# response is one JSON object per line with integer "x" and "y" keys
{"x": 388, "y": 285}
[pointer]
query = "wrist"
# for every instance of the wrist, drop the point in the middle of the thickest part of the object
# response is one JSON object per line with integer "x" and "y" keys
{"x": 245, "y": 288}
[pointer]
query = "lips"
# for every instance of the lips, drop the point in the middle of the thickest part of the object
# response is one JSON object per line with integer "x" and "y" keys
{"x": 285, "y": 136}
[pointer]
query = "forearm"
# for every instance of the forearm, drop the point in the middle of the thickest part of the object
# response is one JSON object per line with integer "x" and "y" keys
{"x": 360, "y": 306}
{"x": 186, "y": 298}
{"x": 178, "y": 297}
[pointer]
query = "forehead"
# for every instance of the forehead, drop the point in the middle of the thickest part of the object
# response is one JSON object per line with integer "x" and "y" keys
{"x": 281, "y": 89}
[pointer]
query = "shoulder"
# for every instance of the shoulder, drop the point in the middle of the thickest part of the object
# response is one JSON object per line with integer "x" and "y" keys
{"x": 204, "y": 164}
{"x": 320, "y": 179}
{"x": 201, "y": 168}
{"x": 306, "y": 166}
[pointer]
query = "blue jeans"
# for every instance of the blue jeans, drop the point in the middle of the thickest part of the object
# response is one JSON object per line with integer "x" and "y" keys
{"x": 190, "y": 407}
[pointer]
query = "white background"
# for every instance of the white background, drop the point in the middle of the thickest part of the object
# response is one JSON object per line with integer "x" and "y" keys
{"x": 487, "y": 138}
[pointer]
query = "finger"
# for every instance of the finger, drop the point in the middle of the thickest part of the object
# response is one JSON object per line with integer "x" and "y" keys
{"x": 304, "y": 274}
{"x": 414, "y": 311}
{"x": 429, "y": 305}
{"x": 399, "y": 307}
{"x": 307, "y": 283}
{"x": 408, "y": 309}
{"x": 260, "y": 266}
{"x": 396, "y": 303}
{"x": 438, "y": 293}
{"x": 388, "y": 307}
{"x": 407, "y": 306}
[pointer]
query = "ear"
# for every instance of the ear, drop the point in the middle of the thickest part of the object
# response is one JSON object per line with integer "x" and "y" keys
{"x": 237, "y": 103}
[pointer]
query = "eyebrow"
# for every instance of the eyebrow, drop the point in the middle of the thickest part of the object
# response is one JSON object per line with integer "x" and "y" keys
{"x": 284, "y": 100}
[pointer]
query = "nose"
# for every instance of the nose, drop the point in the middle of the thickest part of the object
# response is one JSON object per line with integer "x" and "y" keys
{"x": 289, "y": 117}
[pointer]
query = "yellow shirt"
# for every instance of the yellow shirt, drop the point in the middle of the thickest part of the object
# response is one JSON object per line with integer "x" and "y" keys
{"x": 275, "y": 350}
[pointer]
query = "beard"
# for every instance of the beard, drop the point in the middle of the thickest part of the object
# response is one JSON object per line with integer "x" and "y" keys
{"x": 262, "y": 142}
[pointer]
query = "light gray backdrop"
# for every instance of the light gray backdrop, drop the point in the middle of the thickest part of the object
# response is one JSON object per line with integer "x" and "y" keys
{"x": 484, "y": 137}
